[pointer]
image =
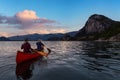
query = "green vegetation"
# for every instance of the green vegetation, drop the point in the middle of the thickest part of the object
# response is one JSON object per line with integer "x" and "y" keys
{"x": 112, "y": 31}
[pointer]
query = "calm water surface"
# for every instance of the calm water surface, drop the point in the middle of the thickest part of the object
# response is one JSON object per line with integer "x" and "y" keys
{"x": 67, "y": 61}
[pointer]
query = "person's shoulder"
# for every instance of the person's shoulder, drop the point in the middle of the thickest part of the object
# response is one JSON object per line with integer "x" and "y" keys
{"x": 37, "y": 42}
{"x": 27, "y": 43}
{"x": 23, "y": 44}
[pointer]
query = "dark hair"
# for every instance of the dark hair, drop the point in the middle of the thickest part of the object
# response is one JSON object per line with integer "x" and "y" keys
{"x": 26, "y": 39}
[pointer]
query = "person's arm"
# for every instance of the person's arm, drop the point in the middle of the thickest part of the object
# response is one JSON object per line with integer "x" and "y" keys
{"x": 43, "y": 46}
{"x": 22, "y": 46}
{"x": 30, "y": 46}
{"x": 49, "y": 50}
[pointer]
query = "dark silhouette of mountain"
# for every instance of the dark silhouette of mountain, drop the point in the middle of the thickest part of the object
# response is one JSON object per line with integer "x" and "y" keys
{"x": 33, "y": 37}
{"x": 49, "y": 37}
{"x": 72, "y": 34}
{"x": 99, "y": 27}
{"x": 4, "y": 39}
{"x": 69, "y": 36}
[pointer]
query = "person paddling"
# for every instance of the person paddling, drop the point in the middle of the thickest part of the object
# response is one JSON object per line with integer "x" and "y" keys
{"x": 41, "y": 46}
{"x": 26, "y": 46}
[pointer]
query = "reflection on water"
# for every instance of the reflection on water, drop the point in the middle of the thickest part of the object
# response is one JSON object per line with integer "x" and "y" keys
{"x": 67, "y": 61}
{"x": 24, "y": 71}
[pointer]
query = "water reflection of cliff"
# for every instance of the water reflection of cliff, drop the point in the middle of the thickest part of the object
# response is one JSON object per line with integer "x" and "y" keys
{"x": 97, "y": 49}
{"x": 98, "y": 55}
{"x": 24, "y": 71}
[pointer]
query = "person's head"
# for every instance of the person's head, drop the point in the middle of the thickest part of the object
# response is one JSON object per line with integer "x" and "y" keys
{"x": 26, "y": 40}
{"x": 39, "y": 40}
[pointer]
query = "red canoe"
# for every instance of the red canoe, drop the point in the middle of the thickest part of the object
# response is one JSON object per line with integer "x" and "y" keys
{"x": 22, "y": 57}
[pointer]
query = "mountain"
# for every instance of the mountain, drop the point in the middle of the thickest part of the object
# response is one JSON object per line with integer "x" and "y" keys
{"x": 69, "y": 36}
{"x": 53, "y": 37}
{"x": 65, "y": 37}
{"x": 99, "y": 27}
{"x": 33, "y": 37}
{"x": 4, "y": 39}
{"x": 72, "y": 34}
{"x": 48, "y": 37}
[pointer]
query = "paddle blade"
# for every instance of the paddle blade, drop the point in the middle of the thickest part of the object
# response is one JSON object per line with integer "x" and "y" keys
{"x": 49, "y": 51}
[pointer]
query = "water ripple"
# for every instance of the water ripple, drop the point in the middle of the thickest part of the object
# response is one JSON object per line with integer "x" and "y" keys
{"x": 68, "y": 60}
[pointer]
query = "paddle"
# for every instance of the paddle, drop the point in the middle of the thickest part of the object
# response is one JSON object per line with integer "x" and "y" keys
{"x": 41, "y": 53}
{"x": 49, "y": 50}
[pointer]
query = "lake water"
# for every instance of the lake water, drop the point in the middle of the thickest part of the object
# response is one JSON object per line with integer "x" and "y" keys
{"x": 67, "y": 61}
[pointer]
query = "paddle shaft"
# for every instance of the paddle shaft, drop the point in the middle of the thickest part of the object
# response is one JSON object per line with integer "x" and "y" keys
{"x": 41, "y": 53}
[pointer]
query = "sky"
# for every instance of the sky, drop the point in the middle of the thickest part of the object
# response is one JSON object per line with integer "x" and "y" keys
{"x": 20, "y": 17}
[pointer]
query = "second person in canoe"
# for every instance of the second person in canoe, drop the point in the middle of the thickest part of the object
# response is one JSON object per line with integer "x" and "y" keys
{"x": 40, "y": 45}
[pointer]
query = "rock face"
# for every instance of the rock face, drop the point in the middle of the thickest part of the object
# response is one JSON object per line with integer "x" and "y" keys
{"x": 96, "y": 26}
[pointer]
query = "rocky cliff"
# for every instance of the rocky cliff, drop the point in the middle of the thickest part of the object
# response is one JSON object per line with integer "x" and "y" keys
{"x": 99, "y": 27}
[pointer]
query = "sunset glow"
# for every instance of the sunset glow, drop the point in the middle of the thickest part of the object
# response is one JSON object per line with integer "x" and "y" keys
{"x": 51, "y": 16}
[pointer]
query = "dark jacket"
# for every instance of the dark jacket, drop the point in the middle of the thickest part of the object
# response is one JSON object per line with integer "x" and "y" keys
{"x": 40, "y": 46}
{"x": 26, "y": 47}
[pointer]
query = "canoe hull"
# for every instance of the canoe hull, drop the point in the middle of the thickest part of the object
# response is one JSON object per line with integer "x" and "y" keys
{"x": 22, "y": 57}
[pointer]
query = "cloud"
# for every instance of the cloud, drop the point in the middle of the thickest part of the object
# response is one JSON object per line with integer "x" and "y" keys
{"x": 45, "y": 31}
{"x": 27, "y": 22}
{"x": 32, "y": 31}
{"x": 25, "y": 19}
{"x": 5, "y": 34}
{"x": 27, "y": 14}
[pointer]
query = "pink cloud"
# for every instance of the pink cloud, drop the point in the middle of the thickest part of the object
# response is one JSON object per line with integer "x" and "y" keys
{"x": 27, "y": 14}
{"x": 45, "y": 31}
{"x": 28, "y": 19}
{"x": 6, "y": 34}
{"x": 30, "y": 31}
{"x": 25, "y": 19}
{"x": 27, "y": 22}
